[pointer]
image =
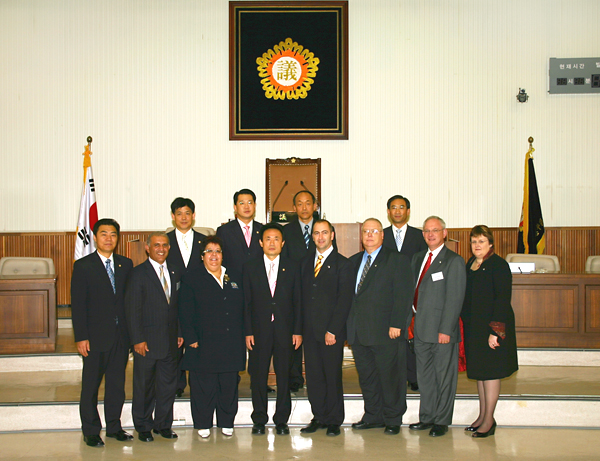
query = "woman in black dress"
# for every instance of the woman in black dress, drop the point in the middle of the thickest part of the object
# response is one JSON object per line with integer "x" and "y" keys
{"x": 211, "y": 317}
{"x": 489, "y": 326}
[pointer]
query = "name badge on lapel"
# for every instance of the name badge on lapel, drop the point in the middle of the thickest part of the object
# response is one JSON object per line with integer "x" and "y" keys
{"x": 437, "y": 276}
{"x": 234, "y": 285}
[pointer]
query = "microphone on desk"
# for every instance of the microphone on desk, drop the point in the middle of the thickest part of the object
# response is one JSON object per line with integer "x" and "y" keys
{"x": 277, "y": 198}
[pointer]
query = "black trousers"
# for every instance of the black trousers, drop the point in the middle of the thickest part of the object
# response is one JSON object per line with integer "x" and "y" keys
{"x": 411, "y": 365}
{"x": 296, "y": 376}
{"x": 324, "y": 380}
{"x": 382, "y": 378}
{"x": 181, "y": 374}
{"x": 154, "y": 387}
{"x": 259, "y": 362}
{"x": 110, "y": 365}
{"x": 212, "y": 392}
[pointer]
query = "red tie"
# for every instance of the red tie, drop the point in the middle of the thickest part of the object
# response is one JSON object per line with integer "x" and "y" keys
{"x": 411, "y": 328}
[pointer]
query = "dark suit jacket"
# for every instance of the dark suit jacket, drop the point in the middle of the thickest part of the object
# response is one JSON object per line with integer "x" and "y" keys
{"x": 175, "y": 260}
{"x": 440, "y": 301}
{"x": 214, "y": 318}
{"x": 284, "y": 305}
{"x": 326, "y": 299}
{"x": 384, "y": 299}
{"x": 149, "y": 317}
{"x": 413, "y": 241}
{"x": 94, "y": 305}
{"x": 235, "y": 250}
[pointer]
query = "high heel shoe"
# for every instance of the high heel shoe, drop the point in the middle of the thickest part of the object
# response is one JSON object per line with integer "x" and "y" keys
{"x": 492, "y": 431}
{"x": 471, "y": 428}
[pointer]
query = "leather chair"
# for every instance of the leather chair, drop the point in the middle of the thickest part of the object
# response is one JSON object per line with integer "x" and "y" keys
{"x": 592, "y": 264}
{"x": 549, "y": 263}
{"x": 13, "y": 265}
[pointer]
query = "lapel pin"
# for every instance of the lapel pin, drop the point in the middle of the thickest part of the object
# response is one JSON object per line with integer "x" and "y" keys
{"x": 283, "y": 269}
{"x": 119, "y": 265}
{"x": 328, "y": 267}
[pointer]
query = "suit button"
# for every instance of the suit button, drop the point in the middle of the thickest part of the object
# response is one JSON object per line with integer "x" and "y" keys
{"x": 226, "y": 313}
{"x": 224, "y": 298}
{"x": 227, "y": 329}
{"x": 314, "y": 284}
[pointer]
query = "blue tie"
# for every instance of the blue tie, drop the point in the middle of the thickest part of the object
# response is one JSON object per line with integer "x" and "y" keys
{"x": 111, "y": 275}
{"x": 306, "y": 236}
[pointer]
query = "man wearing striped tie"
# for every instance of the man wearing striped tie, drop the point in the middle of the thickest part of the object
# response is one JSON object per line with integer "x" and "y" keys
{"x": 379, "y": 317}
{"x": 327, "y": 291}
{"x": 152, "y": 319}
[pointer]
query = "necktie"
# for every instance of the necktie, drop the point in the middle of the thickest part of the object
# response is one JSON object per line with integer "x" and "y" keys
{"x": 399, "y": 239}
{"x": 163, "y": 281}
{"x": 185, "y": 244}
{"x": 272, "y": 279}
{"x": 111, "y": 275}
{"x": 318, "y": 265}
{"x": 306, "y": 236}
{"x": 411, "y": 328}
{"x": 247, "y": 235}
{"x": 364, "y": 273}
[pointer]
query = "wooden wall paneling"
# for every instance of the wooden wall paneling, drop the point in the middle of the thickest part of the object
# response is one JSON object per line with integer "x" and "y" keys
{"x": 592, "y": 309}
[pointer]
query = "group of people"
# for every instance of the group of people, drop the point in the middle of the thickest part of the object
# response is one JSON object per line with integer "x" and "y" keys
{"x": 285, "y": 295}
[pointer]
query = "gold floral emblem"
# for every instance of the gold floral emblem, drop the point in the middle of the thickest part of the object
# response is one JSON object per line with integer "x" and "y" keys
{"x": 287, "y": 71}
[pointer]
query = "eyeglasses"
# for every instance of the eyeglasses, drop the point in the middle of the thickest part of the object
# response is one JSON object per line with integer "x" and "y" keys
{"x": 208, "y": 252}
{"x": 432, "y": 231}
{"x": 371, "y": 231}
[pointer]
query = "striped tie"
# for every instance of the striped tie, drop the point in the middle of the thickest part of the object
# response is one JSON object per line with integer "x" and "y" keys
{"x": 399, "y": 239}
{"x": 319, "y": 264}
{"x": 364, "y": 273}
{"x": 306, "y": 236}
{"x": 111, "y": 275}
{"x": 163, "y": 281}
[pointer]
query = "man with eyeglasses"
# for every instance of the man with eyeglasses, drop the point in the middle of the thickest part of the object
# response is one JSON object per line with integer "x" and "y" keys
{"x": 440, "y": 280}
{"x": 407, "y": 240}
{"x": 379, "y": 316}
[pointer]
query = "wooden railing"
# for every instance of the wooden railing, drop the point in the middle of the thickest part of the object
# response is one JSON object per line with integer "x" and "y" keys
{"x": 572, "y": 246}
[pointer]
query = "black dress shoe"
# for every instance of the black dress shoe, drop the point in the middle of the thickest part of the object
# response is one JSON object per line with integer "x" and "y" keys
{"x": 270, "y": 390}
{"x": 314, "y": 426}
{"x": 295, "y": 387}
{"x": 420, "y": 426}
{"x": 282, "y": 429}
{"x": 414, "y": 386}
{"x": 93, "y": 440}
{"x": 146, "y": 436}
{"x": 471, "y": 428}
{"x": 120, "y": 435}
{"x": 179, "y": 393}
{"x": 392, "y": 430}
{"x": 438, "y": 430}
{"x": 492, "y": 431}
{"x": 258, "y": 429}
{"x": 363, "y": 425}
{"x": 333, "y": 430}
{"x": 166, "y": 433}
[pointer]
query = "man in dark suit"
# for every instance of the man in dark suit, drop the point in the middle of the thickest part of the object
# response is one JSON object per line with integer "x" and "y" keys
{"x": 440, "y": 280}
{"x": 377, "y": 325}
{"x": 97, "y": 292}
{"x": 184, "y": 255}
{"x": 152, "y": 319}
{"x": 407, "y": 240}
{"x": 299, "y": 243}
{"x": 327, "y": 291}
{"x": 241, "y": 236}
{"x": 273, "y": 325}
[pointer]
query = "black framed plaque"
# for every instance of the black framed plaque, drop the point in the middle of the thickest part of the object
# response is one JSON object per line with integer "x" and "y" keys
{"x": 288, "y": 70}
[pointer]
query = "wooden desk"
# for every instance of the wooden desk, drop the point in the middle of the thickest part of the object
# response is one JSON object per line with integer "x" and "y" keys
{"x": 557, "y": 310}
{"x": 28, "y": 314}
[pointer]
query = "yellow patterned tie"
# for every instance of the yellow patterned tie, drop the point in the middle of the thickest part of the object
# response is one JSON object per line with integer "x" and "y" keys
{"x": 163, "y": 280}
{"x": 319, "y": 264}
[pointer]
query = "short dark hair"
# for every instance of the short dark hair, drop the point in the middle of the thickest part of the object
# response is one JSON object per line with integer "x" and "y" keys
{"x": 210, "y": 239}
{"x": 243, "y": 192}
{"x": 318, "y": 221}
{"x": 107, "y": 222}
{"x": 180, "y": 202}
{"x": 271, "y": 225}
{"x": 157, "y": 234}
{"x": 482, "y": 229}
{"x": 396, "y": 197}
{"x": 304, "y": 192}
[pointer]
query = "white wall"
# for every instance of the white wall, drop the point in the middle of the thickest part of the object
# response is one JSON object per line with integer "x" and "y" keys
{"x": 433, "y": 113}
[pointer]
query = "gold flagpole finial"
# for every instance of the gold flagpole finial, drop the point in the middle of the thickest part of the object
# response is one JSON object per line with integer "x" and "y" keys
{"x": 87, "y": 161}
{"x": 531, "y": 149}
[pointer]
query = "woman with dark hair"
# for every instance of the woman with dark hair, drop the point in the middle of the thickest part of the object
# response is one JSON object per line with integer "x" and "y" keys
{"x": 211, "y": 316}
{"x": 489, "y": 327}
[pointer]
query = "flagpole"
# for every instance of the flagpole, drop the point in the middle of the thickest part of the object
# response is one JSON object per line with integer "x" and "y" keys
{"x": 531, "y": 149}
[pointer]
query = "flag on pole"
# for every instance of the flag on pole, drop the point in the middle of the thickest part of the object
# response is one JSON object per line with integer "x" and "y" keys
{"x": 532, "y": 239}
{"x": 88, "y": 213}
